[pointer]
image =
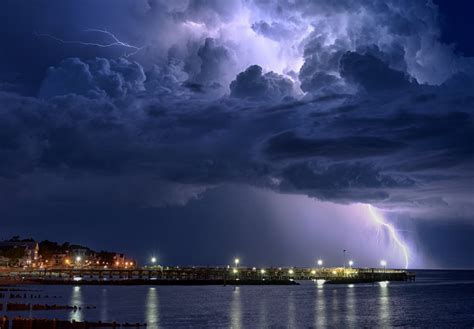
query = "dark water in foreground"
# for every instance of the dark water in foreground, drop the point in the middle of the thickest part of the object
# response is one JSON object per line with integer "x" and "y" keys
{"x": 437, "y": 299}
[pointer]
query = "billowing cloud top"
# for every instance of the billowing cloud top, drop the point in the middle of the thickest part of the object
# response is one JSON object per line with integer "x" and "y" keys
{"x": 348, "y": 101}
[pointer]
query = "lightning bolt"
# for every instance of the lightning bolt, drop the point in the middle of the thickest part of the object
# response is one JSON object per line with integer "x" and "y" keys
{"x": 115, "y": 41}
{"x": 378, "y": 219}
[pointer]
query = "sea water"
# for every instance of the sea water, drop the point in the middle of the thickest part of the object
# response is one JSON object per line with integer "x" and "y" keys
{"x": 435, "y": 299}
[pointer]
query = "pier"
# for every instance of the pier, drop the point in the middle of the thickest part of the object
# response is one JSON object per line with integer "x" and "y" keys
{"x": 204, "y": 275}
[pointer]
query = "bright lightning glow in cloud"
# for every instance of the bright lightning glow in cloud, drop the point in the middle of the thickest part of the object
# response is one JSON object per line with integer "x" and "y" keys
{"x": 250, "y": 47}
{"x": 378, "y": 219}
{"x": 116, "y": 42}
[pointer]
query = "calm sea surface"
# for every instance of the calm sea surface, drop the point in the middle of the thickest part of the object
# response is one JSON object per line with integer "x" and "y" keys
{"x": 443, "y": 299}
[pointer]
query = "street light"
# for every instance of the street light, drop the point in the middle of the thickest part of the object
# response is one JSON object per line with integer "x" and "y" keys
{"x": 236, "y": 262}
{"x": 351, "y": 263}
{"x": 320, "y": 262}
{"x": 384, "y": 264}
{"x": 78, "y": 259}
{"x": 262, "y": 271}
{"x": 153, "y": 260}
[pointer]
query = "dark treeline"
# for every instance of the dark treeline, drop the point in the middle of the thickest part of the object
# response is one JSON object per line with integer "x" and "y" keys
{"x": 49, "y": 248}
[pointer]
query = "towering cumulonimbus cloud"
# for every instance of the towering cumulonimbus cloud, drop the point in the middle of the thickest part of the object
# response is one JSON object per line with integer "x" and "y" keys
{"x": 221, "y": 39}
{"x": 405, "y": 34}
{"x": 347, "y": 101}
{"x": 309, "y": 38}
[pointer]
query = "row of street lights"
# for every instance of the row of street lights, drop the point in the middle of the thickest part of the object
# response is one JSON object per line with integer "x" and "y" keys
{"x": 320, "y": 262}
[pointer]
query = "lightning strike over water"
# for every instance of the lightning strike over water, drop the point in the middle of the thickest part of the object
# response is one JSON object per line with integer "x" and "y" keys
{"x": 378, "y": 219}
{"x": 116, "y": 42}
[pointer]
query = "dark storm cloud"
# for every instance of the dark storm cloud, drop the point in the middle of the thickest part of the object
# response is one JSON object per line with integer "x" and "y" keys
{"x": 215, "y": 60}
{"x": 94, "y": 78}
{"x": 344, "y": 149}
{"x": 287, "y": 145}
{"x": 276, "y": 30}
{"x": 253, "y": 84}
{"x": 343, "y": 182}
{"x": 25, "y": 56}
{"x": 371, "y": 73}
{"x": 42, "y": 33}
{"x": 383, "y": 117}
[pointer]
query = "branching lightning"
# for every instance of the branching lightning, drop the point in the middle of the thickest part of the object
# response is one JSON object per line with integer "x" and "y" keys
{"x": 116, "y": 42}
{"x": 378, "y": 219}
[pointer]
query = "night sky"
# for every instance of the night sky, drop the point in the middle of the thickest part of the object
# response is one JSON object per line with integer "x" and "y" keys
{"x": 278, "y": 131}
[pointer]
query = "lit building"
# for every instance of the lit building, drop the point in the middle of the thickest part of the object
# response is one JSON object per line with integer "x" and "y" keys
{"x": 20, "y": 253}
{"x": 58, "y": 259}
{"x": 4, "y": 261}
{"x": 121, "y": 261}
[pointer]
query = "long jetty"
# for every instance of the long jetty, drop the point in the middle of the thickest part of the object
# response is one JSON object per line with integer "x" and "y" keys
{"x": 175, "y": 275}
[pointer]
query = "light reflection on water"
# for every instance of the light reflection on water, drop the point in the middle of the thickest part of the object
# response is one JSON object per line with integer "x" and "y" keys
{"x": 303, "y": 306}
{"x": 236, "y": 309}
{"x": 351, "y": 306}
{"x": 152, "y": 309}
{"x": 291, "y": 310}
{"x": 104, "y": 300}
{"x": 263, "y": 322}
{"x": 320, "y": 312}
{"x": 76, "y": 300}
{"x": 335, "y": 311}
{"x": 384, "y": 306}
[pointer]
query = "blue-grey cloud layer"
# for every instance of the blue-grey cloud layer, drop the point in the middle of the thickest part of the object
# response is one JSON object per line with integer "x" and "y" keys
{"x": 380, "y": 112}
